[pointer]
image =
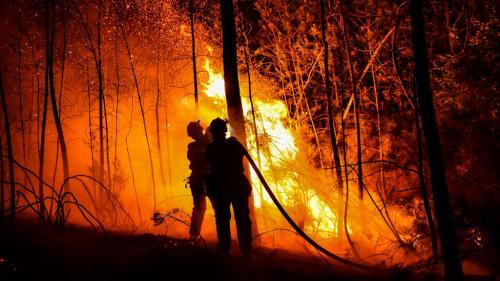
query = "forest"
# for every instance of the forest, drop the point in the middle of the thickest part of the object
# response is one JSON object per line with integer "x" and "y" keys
{"x": 372, "y": 130}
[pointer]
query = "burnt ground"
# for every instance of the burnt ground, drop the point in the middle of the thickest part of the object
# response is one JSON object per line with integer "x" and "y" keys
{"x": 32, "y": 251}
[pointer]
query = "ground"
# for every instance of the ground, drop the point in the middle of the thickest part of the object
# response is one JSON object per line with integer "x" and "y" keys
{"x": 33, "y": 251}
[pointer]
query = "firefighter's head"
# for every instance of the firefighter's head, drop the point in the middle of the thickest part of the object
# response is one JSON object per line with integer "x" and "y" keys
{"x": 195, "y": 130}
{"x": 218, "y": 128}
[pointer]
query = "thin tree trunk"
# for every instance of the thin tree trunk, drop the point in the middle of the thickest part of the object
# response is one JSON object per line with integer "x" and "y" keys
{"x": 193, "y": 54}
{"x": 377, "y": 108}
{"x": 63, "y": 63}
{"x": 167, "y": 133}
{"x": 356, "y": 111}
{"x": 108, "y": 165}
{"x": 37, "y": 74}
{"x": 55, "y": 112}
{"x": 101, "y": 97}
{"x": 346, "y": 173}
{"x": 91, "y": 136}
{"x": 442, "y": 205}
{"x": 358, "y": 144}
{"x": 98, "y": 65}
{"x": 328, "y": 91}
{"x": 315, "y": 132}
{"x": 388, "y": 220}
{"x": 344, "y": 138}
{"x": 250, "y": 97}
{"x": 423, "y": 188}
{"x": 331, "y": 120}
{"x": 231, "y": 85}
{"x": 254, "y": 119}
{"x": 44, "y": 112}
{"x": 20, "y": 93}
{"x": 130, "y": 159}
{"x": 157, "y": 117}
{"x": 136, "y": 82}
{"x": 10, "y": 152}
{"x": 117, "y": 70}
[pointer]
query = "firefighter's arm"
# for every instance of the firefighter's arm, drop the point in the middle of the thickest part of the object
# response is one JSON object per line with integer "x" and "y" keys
{"x": 190, "y": 152}
{"x": 238, "y": 144}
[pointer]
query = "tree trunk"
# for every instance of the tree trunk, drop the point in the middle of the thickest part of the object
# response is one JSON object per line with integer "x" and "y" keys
{"x": 108, "y": 164}
{"x": 157, "y": 116}
{"x": 331, "y": 119}
{"x": 167, "y": 133}
{"x": 355, "y": 93}
{"x": 53, "y": 100}
{"x": 20, "y": 93}
{"x": 41, "y": 152}
{"x": 232, "y": 87}
{"x": 101, "y": 97}
{"x": 141, "y": 107}
{"x": 193, "y": 54}
{"x": 423, "y": 188}
{"x": 442, "y": 205}
{"x": 10, "y": 152}
{"x": 117, "y": 69}
{"x": 91, "y": 136}
{"x": 254, "y": 119}
{"x": 61, "y": 84}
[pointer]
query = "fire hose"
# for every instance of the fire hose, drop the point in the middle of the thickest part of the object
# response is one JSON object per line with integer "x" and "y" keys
{"x": 294, "y": 225}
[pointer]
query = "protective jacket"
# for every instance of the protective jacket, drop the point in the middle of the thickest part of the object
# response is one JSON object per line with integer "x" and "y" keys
{"x": 227, "y": 174}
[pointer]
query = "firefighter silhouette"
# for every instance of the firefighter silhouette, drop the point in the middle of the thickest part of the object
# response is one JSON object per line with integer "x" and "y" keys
{"x": 227, "y": 185}
{"x": 199, "y": 168}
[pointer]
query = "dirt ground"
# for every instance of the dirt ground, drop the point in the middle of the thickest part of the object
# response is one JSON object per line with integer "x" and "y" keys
{"x": 32, "y": 251}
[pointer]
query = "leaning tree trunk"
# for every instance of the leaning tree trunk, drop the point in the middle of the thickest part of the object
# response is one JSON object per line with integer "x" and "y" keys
{"x": 41, "y": 152}
{"x": 61, "y": 85}
{"x": 9, "y": 151}
{"x": 143, "y": 115}
{"x": 442, "y": 205}
{"x": 331, "y": 120}
{"x": 232, "y": 87}
{"x": 57, "y": 119}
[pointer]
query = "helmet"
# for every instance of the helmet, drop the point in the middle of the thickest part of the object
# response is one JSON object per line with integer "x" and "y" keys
{"x": 218, "y": 126}
{"x": 194, "y": 128}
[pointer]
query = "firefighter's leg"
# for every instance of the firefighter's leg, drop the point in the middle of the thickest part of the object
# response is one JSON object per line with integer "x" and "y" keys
{"x": 243, "y": 223}
{"x": 199, "y": 207}
{"x": 222, "y": 221}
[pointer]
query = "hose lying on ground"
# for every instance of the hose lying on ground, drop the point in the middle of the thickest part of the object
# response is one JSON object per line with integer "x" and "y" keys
{"x": 296, "y": 227}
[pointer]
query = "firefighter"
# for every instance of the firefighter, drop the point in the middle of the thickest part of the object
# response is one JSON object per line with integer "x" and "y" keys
{"x": 227, "y": 185}
{"x": 199, "y": 168}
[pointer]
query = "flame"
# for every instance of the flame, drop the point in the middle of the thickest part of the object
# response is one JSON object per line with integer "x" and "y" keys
{"x": 277, "y": 146}
{"x": 214, "y": 88}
